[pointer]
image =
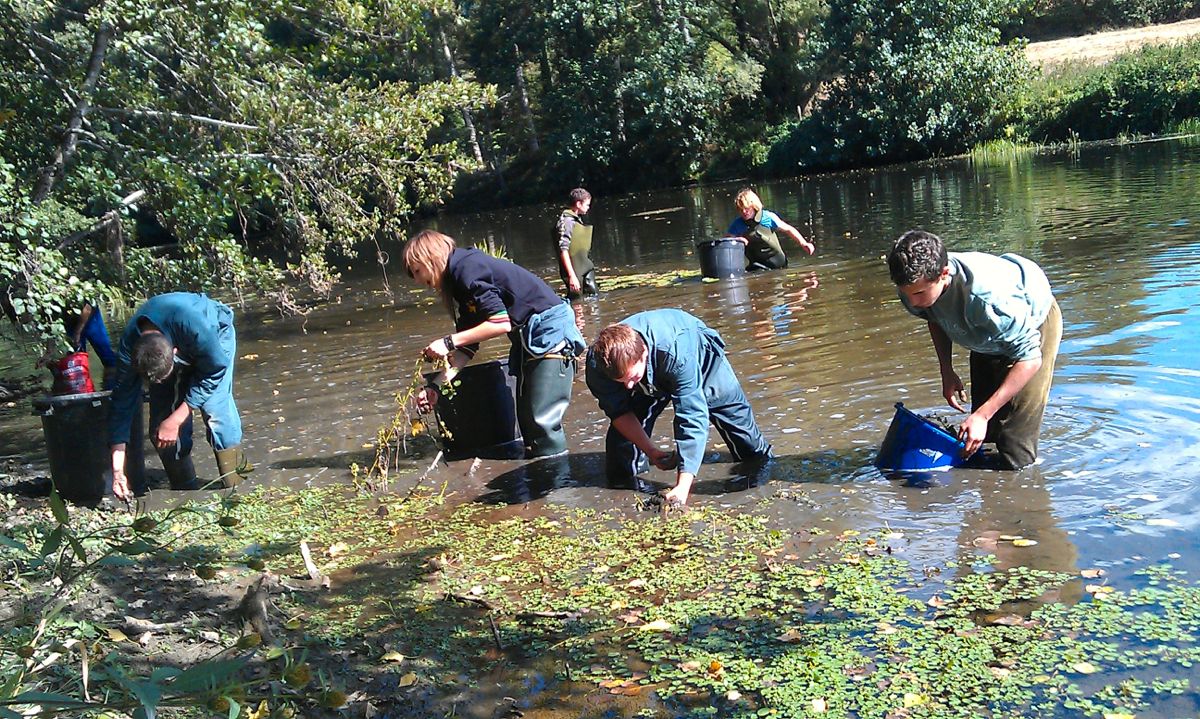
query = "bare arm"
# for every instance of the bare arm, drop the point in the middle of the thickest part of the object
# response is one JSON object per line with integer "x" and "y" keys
{"x": 952, "y": 387}
{"x": 564, "y": 258}
{"x": 795, "y": 235}
{"x": 974, "y": 428}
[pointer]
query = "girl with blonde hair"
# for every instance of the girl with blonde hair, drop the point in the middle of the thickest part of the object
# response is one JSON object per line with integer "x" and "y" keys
{"x": 757, "y": 228}
{"x": 490, "y": 297}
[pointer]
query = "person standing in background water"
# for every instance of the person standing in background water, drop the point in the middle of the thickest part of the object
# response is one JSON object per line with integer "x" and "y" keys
{"x": 573, "y": 240}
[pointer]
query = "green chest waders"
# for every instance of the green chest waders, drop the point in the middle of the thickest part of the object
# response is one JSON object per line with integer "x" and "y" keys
{"x": 763, "y": 251}
{"x": 580, "y": 252}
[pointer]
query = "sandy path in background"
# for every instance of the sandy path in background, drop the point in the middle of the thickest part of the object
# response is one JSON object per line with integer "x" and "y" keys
{"x": 1092, "y": 49}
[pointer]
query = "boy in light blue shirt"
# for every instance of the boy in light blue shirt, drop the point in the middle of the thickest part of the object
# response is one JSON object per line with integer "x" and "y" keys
{"x": 1001, "y": 308}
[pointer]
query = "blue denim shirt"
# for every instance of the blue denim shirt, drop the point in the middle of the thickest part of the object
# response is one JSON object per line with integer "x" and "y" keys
{"x": 191, "y": 322}
{"x": 993, "y": 305}
{"x": 676, "y": 342}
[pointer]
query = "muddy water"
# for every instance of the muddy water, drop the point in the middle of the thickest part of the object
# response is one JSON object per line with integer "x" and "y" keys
{"x": 824, "y": 351}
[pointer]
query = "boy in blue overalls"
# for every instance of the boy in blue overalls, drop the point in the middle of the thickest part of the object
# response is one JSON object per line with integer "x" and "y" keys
{"x": 184, "y": 344}
{"x": 651, "y": 358}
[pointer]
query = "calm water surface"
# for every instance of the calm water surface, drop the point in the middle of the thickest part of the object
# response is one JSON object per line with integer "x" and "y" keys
{"x": 824, "y": 351}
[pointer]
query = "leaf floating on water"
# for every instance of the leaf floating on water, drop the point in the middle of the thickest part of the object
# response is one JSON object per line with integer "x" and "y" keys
{"x": 819, "y": 706}
{"x": 1098, "y": 589}
{"x": 1009, "y": 537}
{"x": 1024, "y": 542}
{"x": 1085, "y": 667}
{"x": 733, "y": 695}
{"x": 250, "y": 356}
{"x": 1007, "y": 620}
{"x": 1092, "y": 573}
{"x": 912, "y": 699}
{"x": 936, "y": 601}
{"x": 658, "y": 625}
{"x": 1118, "y": 715}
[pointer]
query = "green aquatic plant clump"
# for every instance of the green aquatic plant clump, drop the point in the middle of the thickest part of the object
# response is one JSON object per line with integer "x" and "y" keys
{"x": 700, "y": 613}
{"x": 724, "y": 614}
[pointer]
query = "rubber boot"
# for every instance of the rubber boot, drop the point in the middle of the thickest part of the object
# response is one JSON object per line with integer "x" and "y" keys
{"x": 541, "y": 403}
{"x": 180, "y": 470}
{"x": 232, "y": 465}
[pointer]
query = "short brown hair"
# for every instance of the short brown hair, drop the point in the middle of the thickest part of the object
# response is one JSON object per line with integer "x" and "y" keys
{"x": 617, "y": 348}
{"x": 579, "y": 195}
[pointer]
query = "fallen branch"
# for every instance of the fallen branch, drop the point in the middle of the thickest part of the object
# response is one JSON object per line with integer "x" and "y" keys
{"x": 309, "y": 564}
{"x": 467, "y": 599}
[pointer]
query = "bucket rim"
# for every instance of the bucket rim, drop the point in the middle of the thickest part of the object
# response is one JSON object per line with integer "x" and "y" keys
{"x": 51, "y": 400}
{"x": 933, "y": 425}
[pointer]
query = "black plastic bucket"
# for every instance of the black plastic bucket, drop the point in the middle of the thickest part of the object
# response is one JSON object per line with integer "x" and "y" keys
{"x": 722, "y": 258}
{"x": 480, "y": 413}
{"x": 75, "y": 427}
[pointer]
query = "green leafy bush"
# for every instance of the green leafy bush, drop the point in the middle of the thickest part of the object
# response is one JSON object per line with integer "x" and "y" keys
{"x": 1143, "y": 93}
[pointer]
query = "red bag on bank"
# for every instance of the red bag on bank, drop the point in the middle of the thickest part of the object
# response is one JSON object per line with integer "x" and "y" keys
{"x": 71, "y": 375}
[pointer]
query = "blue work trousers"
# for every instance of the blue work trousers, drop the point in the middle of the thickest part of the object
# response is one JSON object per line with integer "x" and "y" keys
{"x": 728, "y": 410}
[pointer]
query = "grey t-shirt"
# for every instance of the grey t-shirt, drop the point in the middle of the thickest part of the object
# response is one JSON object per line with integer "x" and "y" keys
{"x": 993, "y": 305}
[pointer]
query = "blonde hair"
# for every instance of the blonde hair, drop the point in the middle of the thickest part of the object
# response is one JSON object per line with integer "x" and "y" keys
{"x": 747, "y": 198}
{"x": 431, "y": 249}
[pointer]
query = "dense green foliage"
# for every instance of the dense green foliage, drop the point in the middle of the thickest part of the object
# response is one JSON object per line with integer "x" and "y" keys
{"x": 241, "y": 145}
{"x": 268, "y": 137}
{"x": 1049, "y": 19}
{"x": 1143, "y": 93}
{"x": 911, "y": 80}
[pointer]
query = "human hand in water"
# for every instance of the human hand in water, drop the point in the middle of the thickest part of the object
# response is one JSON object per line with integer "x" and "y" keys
{"x": 808, "y": 246}
{"x": 678, "y": 495}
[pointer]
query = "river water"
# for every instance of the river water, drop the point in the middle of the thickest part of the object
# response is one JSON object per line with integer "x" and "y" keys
{"x": 824, "y": 351}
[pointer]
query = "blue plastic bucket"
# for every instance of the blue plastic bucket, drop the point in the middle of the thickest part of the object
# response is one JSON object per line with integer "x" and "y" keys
{"x": 914, "y": 444}
{"x": 722, "y": 258}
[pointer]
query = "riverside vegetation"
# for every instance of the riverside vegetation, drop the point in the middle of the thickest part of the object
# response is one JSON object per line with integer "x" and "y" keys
{"x": 411, "y": 605}
{"x": 308, "y": 134}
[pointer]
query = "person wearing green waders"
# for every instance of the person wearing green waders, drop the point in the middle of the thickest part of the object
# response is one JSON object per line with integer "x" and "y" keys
{"x": 490, "y": 297}
{"x": 758, "y": 228}
{"x": 1002, "y": 310}
{"x": 573, "y": 240}
{"x": 184, "y": 344}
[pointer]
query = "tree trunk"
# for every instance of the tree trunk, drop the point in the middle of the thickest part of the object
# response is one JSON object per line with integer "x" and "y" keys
{"x": 620, "y": 103}
{"x": 51, "y": 173}
{"x": 468, "y": 121}
{"x": 523, "y": 99}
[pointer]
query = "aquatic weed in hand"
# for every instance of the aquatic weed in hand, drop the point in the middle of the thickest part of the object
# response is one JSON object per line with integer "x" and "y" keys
{"x": 391, "y": 441}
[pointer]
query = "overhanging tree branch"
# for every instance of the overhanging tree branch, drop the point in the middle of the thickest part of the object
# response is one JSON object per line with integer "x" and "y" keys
{"x": 66, "y": 149}
{"x": 166, "y": 114}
